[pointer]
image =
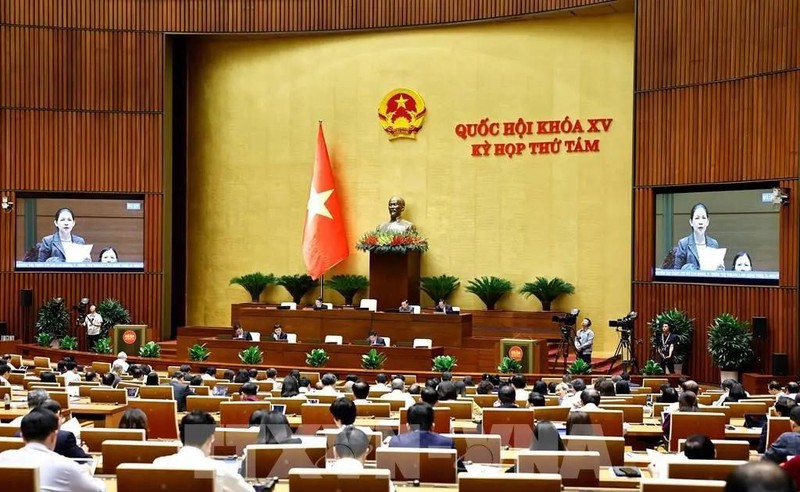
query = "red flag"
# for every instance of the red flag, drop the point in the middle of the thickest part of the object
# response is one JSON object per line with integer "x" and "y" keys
{"x": 324, "y": 238}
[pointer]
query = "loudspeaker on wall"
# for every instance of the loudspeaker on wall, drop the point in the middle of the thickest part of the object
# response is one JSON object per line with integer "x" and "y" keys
{"x": 759, "y": 326}
{"x": 780, "y": 364}
{"x": 26, "y": 297}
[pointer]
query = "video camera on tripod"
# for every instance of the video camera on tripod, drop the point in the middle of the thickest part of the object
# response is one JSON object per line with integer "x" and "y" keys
{"x": 624, "y": 325}
{"x": 567, "y": 321}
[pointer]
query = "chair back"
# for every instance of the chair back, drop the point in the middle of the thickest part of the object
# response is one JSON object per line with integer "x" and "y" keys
{"x": 291, "y": 305}
{"x": 16, "y": 360}
{"x": 485, "y": 401}
{"x": 394, "y": 404}
{"x": 513, "y": 425}
{"x": 422, "y": 343}
{"x": 20, "y": 478}
{"x": 654, "y": 383}
{"x": 610, "y": 449}
{"x": 607, "y": 422}
{"x": 552, "y": 413}
{"x": 237, "y": 413}
{"x": 61, "y": 397}
{"x": 724, "y": 409}
{"x": 101, "y": 367}
{"x": 275, "y": 460}
{"x": 677, "y": 485}
{"x": 94, "y": 437}
{"x": 42, "y": 362}
{"x": 577, "y": 469}
{"x": 459, "y": 409}
{"x": 335, "y": 339}
{"x": 633, "y": 414}
{"x": 312, "y": 376}
{"x": 315, "y": 416}
{"x": 200, "y": 390}
{"x": 510, "y": 482}
{"x": 230, "y": 441}
{"x": 477, "y": 448}
{"x": 739, "y": 409}
{"x": 707, "y": 399}
{"x": 425, "y": 464}
{"x": 293, "y": 405}
{"x": 415, "y": 309}
{"x": 8, "y": 430}
{"x": 316, "y": 480}
{"x": 727, "y": 450}
{"x": 441, "y": 420}
{"x": 382, "y": 409}
{"x": 205, "y": 403}
{"x": 702, "y": 469}
{"x": 777, "y": 426}
{"x": 117, "y": 396}
{"x": 685, "y": 424}
{"x": 160, "y": 417}
{"x": 165, "y": 392}
{"x": 291, "y": 338}
{"x": 7, "y": 443}
{"x": 371, "y": 304}
{"x": 118, "y": 452}
{"x": 135, "y": 477}
{"x": 5, "y": 390}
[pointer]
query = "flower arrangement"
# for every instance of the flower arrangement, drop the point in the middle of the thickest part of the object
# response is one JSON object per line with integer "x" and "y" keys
{"x": 392, "y": 242}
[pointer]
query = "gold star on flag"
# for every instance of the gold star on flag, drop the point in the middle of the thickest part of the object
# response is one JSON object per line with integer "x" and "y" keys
{"x": 316, "y": 203}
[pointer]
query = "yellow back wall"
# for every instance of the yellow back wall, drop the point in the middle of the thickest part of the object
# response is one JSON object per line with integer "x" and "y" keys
{"x": 254, "y": 104}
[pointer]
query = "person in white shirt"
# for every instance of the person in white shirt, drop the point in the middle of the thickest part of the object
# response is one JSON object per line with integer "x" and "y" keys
{"x": 197, "y": 435}
{"x": 56, "y": 473}
{"x": 94, "y": 323}
{"x": 563, "y": 393}
{"x": 360, "y": 392}
{"x": 697, "y": 447}
{"x": 121, "y": 362}
{"x": 328, "y": 381}
{"x": 519, "y": 383}
{"x": 344, "y": 414}
{"x": 380, "y": 383}
{"x": 397, "y": 393}
{"x": 4, "y": 370}
{"x": 590, "y": 400}
{"x": 71, "y": 376}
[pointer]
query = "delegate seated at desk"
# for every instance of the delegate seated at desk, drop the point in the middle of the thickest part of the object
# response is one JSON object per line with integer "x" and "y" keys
{"x": 240, "y": 334}
{"x": 404, "y": 307}
{"x": 278, "y": 333}
{"x": 318, "y": 305}
{"x": 443, "y": 307}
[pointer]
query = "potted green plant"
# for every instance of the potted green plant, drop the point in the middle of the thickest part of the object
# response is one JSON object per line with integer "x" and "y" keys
{"x": 254, "y": 283}
{"x": 69, "y": 343}
{"x": 682, "y": 328}
{"x": 103, "y": 346}
{"x": 444, "y": 363}
{"x": 440, "y": 287}
{"x": 113, "y": 313}
{"x": 43, "y": 339}
{"x": 489, "y": 289}
{"x": 651, "y": 368}
{"x": 579, "y": 367}
{"x": 730, "y": 343}
{"x": 348, "y": 286}
{"x": 150, "y": 349}
{"x": 53, "y": 319}
{"x": 317, "y": 357}
{"x": 509, "y": 366}
{"x": 546, "y": 290}
{"x": 198, "y": 352}
{"x": 251, "y": 355}
{"x": 373, "y": 359}
{"x": 297, "y": 285}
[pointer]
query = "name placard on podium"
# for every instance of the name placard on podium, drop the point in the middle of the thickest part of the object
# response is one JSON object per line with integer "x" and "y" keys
{"x": 128, "y": 338}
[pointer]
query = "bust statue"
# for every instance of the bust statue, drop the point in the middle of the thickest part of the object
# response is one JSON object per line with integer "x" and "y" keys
{"x": 396, "y": 223}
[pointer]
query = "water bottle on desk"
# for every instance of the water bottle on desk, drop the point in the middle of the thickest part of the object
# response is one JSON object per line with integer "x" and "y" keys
{"x": 7, "y": 401}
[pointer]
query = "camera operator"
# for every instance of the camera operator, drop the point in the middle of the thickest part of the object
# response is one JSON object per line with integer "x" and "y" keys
{"x": 584, "y": 339}
{"x": 667, "y": 349}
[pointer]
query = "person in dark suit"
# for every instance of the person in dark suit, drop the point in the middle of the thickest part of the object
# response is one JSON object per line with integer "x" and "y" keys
{"x": 375, "y": 340}
{"x": 318, "y": 306}
{"x": 51, "y": 248}
{"x": 506, "y": 397}
{"x": 180, "y": 390}
{"x": 240, "y": 334}
{"x": 691, "y": 247}
{"x": 66, "y": 444}
{"x": 277, "y": 332}
{"x": 405, "y": 307}
{"x": 443, "y": 307}
{"x": 420, "y": 431}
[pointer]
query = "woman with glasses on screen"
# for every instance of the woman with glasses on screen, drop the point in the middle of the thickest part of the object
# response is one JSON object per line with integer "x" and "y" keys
{"x": 697, "y": 245}
{"x": 51, "y": 248}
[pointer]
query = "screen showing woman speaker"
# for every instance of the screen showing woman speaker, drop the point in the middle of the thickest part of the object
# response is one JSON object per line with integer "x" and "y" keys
{"x": 721, "y": 236}
{"x": 69, "y": 232}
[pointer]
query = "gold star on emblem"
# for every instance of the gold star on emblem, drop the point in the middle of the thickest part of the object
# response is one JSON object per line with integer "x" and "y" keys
{"x": 316, "y": 203}
{"x": 401, "y": 102}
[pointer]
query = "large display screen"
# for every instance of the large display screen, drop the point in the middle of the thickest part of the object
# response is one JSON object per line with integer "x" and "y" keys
{"x": 727, "y": 235}
{"x": 64, "y": 232}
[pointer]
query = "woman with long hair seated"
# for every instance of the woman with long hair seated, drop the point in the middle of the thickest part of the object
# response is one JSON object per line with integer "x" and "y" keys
{"x": 134, "y": 418}
{"x": 687, "y": 402}
{"x": 274, "y": 429}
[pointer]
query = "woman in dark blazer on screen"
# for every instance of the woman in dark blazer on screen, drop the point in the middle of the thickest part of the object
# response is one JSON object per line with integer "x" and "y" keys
{"x": 51, "y": 248}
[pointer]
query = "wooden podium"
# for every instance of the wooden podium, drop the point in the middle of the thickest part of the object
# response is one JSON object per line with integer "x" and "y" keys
{"x": 394, "y": 277}
{"x": 531, "y": 353}
{"x": 128, "y": 338}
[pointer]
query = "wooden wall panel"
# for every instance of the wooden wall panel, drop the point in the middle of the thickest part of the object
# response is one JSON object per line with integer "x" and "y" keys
{"x": 683, "y": 42}
{"x": 140, "y": 293}
{"x": 72, "y": 150}
{"x": 210, "y": 16}
{"x": 742, "y": 130}
{"x": 97, "y": 70}
{"x": 704, "y": 302}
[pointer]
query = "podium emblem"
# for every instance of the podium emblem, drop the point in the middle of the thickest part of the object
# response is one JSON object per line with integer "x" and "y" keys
{"x": 129, "y": 337}
{"x": 515, "y": 352}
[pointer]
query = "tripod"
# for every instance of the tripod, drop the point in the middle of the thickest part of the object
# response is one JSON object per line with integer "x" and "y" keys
{"x": 566, "y": 342}
{"x": 624, "y": 353}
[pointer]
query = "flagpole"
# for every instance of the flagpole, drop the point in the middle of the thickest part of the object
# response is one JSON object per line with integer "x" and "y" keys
{"x": 321, "y": 285}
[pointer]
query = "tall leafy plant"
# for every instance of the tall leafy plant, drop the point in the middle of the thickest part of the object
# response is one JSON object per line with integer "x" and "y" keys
{"x": 199, "y": 352}
{"x": 150, "y": 349}
{"x": 254, "y": 283}
{"x": 251, "y": 355}
{"x": 682, "y": 328}
{"x": 509, "y": 366}
{"x": 297, "y": 285}
{"x": 444, "y": 363}
{"x": 113, "y": 313}
{"x": 440, "y": 287}
{"x": 489, "y": 289}
{"x": 546, "y": 290}
{"x": 579, "y": 367}
{"x": 103, "y": 346}
{"x": 373, "y": 359}
{"x": 730, "y": 342}
{"x": 317, "y": 357}
{"x": 69, "y": 343}
{"x": 53, "y": 319}
{"x": 651, "y": 368}
{"x": 348, "y": 286}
